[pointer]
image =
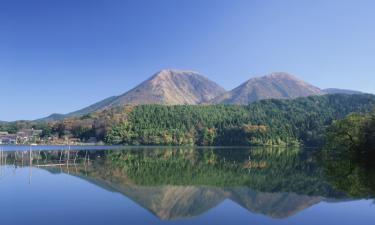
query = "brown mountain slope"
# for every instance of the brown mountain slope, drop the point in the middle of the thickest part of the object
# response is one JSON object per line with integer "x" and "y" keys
{"x": 171, "y": 87}
{"x": 167, "y": 87}
{"x": 275, "y": 85}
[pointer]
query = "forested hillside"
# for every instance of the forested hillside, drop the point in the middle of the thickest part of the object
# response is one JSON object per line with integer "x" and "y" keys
{"x": 267, "y": 122}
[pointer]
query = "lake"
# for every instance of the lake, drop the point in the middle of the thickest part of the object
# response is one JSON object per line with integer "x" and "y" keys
{"x": 112, "y": 185}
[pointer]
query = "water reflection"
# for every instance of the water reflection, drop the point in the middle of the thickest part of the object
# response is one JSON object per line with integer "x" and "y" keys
{"x": 184, "y": 183}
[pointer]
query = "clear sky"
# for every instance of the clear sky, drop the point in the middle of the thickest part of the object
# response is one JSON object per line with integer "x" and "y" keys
{"x": 62, "y": 55}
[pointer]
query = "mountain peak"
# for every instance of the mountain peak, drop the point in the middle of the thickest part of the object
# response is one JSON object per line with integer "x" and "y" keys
{"x": 280, "y": 75}
{"x": 172, "y": 87}
{"x": 169, "y": 73}
{"x": 277, "y": 85}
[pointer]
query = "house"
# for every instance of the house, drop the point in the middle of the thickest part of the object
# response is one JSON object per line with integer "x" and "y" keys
{"x": 8, "y": 139}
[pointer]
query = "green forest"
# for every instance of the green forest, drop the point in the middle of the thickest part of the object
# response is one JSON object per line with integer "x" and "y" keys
{"x": 267, "y": 122}
{"x": 349, "y": 154}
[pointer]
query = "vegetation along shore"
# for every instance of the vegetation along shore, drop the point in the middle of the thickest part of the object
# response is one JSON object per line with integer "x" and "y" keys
{"x": 301, "y": 121}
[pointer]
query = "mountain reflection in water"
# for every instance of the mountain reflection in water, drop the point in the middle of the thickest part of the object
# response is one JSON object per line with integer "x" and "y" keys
{"x": 176, "y": 183}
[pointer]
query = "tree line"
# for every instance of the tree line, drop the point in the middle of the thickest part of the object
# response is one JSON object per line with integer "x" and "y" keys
{"x": 267, "y": 122}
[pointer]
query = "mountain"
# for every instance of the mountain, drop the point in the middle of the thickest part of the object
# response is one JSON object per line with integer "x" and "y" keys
{"x": 171, "y": 87}
{"x": 92, "y": 108}
{"x": 275, "y": 85}
{"x": 179, "y": 87}
{"x": 340, "y": 91}
{"x": 167, "y": 87}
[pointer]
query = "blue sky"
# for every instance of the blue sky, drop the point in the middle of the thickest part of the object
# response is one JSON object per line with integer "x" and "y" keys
{"x": 60, "y": 56}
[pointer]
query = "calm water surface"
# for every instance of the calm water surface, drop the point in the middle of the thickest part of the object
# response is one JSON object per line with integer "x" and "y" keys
{"x": 176, "y": 186}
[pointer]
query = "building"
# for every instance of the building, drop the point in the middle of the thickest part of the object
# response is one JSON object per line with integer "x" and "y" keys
{"x": 22, "y": 137}
{"x": 8, "y": 139}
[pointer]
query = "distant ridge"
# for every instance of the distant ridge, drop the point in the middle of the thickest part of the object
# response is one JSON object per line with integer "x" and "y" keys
{"x": 92, "y": 108}
{"x": 179, "y": 87}
{"x": 275, "y": 85}
{"x": 340, "y": 91}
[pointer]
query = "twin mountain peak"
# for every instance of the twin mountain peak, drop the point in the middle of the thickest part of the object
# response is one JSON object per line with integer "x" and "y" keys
{"x": 180, "y": 87}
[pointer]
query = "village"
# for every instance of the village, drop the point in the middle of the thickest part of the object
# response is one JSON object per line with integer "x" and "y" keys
{"x": 33, "y": 136}
{"x": 25, "y": 136}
